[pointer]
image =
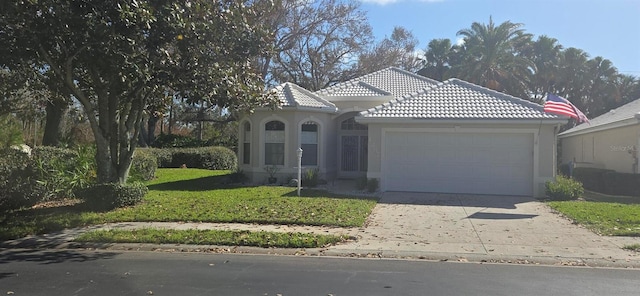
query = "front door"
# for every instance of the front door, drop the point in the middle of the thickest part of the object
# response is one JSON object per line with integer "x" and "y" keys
{"x": 353, "y": 156}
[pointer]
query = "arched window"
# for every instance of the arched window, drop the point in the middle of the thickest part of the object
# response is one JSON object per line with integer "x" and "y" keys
{"x": 246, "y": 143}
{"x": 351, "y": 125}
{"x": 274, "y": 143}
{"x": 309, "y": 143}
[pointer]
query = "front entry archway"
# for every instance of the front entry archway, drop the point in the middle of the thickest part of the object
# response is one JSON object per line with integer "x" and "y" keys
{"x": 353, "y": 149}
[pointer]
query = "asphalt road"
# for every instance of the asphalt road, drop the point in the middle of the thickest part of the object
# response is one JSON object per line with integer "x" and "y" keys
{"x": 70, "y": 272}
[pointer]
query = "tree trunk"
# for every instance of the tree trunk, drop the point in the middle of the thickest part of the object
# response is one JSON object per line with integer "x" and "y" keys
{"x": 55, "y": 109}
{"x": 151, "y": 128}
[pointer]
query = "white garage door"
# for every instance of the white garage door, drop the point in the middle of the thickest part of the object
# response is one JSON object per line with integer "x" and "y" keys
{"x": 476, "y": 163}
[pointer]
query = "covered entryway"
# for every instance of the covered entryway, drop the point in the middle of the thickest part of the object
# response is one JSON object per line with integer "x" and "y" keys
{"x": 474, "y": 163}
{"x": 353, "y": 149}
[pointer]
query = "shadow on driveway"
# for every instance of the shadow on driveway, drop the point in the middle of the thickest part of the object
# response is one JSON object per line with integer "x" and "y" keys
{"x": 446, "y": 199}
{"x": 500, "y": 216}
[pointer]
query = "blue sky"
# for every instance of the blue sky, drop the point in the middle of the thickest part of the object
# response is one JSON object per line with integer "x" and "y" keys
{"x": 607, "y": 28}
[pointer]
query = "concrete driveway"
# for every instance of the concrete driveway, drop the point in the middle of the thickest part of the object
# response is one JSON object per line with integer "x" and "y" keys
{"x": 428, "y": 224}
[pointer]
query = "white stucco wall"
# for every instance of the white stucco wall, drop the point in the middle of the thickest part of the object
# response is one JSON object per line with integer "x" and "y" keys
{"x": 614, "y": 149}
{"x": 293, "y": 122}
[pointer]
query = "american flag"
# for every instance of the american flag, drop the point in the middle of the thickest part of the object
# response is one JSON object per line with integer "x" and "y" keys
{"x": 561, "y": 106}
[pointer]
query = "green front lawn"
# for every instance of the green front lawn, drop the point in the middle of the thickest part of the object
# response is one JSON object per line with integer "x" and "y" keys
{"x": 201, "y": 196}
{"x": 607, "y": 218}
{"x": 212, "y": 237}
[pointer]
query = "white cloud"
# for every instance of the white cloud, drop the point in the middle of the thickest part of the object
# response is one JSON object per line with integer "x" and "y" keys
{"x": 460, "y": 41}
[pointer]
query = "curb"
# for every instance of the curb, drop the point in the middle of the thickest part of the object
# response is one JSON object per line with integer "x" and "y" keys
{"x": 327, "y": 252}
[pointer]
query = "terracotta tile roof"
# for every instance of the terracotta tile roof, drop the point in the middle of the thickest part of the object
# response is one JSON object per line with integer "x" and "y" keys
{"x": 389, "y": 81}
{"x": 457, "y": 99}
{"x": 292, "y": 95}
{"x": 624, "y": 112}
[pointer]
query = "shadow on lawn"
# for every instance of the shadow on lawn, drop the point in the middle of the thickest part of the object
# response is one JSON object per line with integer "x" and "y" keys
{"x": 599, "y": 197}
{"x": 323, "y": 193}
{"x": 199, "y": 184}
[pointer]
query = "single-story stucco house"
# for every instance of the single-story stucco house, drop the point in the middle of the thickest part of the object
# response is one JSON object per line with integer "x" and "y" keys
{"x": 610, "y": 141}
{"x": 410, "y": 132}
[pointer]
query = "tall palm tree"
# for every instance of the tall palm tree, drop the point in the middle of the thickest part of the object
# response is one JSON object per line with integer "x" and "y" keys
{"x": 601, "y": 75}
{"x": 437, "y": 56}
{"x": 572, "y": 79}
{"x": 545, "y": 53}
{"x": 492, "y": 57}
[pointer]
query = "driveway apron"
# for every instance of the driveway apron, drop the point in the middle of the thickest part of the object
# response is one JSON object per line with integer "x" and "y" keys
{"x": 499, "y": 226}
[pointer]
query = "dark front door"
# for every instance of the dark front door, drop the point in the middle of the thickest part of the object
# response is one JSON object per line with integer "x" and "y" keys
{"x": 354, "y": 152}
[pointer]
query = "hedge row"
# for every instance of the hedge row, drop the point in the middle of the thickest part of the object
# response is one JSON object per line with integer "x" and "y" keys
{"x": 211, "y": 158}
{"x": 608, "y": 181}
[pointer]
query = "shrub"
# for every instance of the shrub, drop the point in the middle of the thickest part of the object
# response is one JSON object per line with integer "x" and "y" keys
{"x": 58, "y": 171}
{"x": 238, "y": 177}
{"x": 212, "y": 158}
{"x": 143, "y": 166}
{"x": 372, "y": 185}
{"x": 108, "y": 196}
{"x": 621, "y": 184}
{"x": 591, "y": 178}
{"x": 310, "y": 177}
{"x": 563, "y": 188}
{"x": 361, "y": 183}
{"x": 16, "y": 180}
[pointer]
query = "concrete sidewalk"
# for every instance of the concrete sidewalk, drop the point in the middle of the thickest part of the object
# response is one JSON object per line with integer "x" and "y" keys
{"x": 421, "y": 225}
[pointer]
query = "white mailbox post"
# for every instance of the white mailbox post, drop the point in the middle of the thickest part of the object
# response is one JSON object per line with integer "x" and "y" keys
{"x": 299, "y": 151}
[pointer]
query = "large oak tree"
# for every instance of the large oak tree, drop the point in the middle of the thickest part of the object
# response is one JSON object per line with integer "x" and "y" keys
{"x": 116, "y": 57}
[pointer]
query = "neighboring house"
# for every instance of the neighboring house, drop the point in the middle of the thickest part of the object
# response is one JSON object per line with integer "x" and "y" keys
{"x": 610, "y": 141}
{"x": 410, "y": 132}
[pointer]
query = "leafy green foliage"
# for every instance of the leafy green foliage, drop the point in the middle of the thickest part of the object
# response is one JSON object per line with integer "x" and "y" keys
{"x": 143, "y": 166}
{"x": 60, "y": 171}
{"x": 11, "y": 132}
{"x": 116, "y": 58}
{"x": 108, "y": 196}
{"x": 16, "y": 181}
{"x": 212, "y": 158}
{"x": 563, "y": 188}
{"x": 605, "y": 218}
{"x": 263, "y": 239}
{"x": 310, "y": 177}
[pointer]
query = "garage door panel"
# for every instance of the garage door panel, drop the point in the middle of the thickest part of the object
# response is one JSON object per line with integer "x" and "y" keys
{"x": 483, "y": 163}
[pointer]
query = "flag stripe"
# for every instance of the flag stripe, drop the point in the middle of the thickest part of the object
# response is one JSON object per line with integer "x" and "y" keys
{"x": 561, "y": 106}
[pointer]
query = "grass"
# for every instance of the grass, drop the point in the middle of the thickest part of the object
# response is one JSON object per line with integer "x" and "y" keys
{"x": 632, "y": 247}
{"x": 604, "y": 214}
{"x": 194, "y": 195}
{"x": 212, "y": 237}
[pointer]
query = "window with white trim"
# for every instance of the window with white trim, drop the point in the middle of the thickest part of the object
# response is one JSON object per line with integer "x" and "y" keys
{"x": 274, "y": 143}
{"x": 309, "y": 143}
